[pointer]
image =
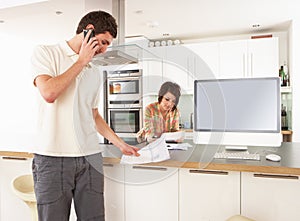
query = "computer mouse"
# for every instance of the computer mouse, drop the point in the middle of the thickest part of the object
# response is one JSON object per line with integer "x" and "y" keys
{"x": 273, "y": 157}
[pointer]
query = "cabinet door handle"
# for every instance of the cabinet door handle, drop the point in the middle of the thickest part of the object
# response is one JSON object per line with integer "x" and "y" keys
{"x": 276, "y": 176}
{"x": 14, "y": 158}
{"x": 244, "y": 65}
{"x": 149, "y": 168}
{"x": 209, "y": 172}
{"x": 251, "y": 64}
{"x": 108, "y": 165}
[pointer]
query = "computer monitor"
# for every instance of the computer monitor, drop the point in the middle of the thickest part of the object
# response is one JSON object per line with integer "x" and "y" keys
{"x": 237, "y": 112}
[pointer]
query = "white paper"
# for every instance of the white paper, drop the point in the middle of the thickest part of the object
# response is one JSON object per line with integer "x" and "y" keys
{"x": 154, "y": 152}
{"x": 173, "y": 136}
{"x": 178, "y": 146}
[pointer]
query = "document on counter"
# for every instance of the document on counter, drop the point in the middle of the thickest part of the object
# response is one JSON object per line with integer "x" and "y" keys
{"x": 178, "y": 146}
{"x": 156, "y": 151}
{"x": 173, "y": 136}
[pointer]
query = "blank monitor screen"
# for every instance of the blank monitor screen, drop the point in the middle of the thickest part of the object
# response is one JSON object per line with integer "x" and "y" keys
{"x": 238, "y": 105}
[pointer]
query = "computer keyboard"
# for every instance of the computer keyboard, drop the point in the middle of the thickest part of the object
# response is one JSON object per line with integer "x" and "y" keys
{"x": 242, "y": 155}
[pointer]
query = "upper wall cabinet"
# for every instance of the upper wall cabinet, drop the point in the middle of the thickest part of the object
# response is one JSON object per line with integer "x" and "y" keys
{"x": 205, "y": 60}
{"x": 213, "y": 60}
{"x": 176, "y": 65}
{"x": 249, "y": 58}
{"x": 153, "y": 71}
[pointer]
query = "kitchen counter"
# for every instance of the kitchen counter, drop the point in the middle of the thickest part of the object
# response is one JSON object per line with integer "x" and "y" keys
{"x": 201, "y": 157}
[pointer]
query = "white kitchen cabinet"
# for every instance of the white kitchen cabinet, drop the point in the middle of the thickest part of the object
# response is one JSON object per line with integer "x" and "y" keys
{"x": 208, "y": 195}
{"x": 152, "y": 75}
{"x": 114, "y": 192}
{"x": 249, "y": 58}
{"x": 206, "y": 60}
{"x": 270, "y": 197}
{"x": 264, "y": 57}
{"x": 180, "y": 67}
{"x": 233, "y": 59}
{"x": 177, "y": 66}
{"x": 151, "y": 193}
{"x": 12, "y": 207}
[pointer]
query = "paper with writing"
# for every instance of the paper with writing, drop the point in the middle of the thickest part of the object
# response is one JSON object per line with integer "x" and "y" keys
{"x": 154, "y": 152}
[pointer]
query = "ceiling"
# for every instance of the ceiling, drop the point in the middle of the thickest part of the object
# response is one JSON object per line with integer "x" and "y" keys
{"x": 155, "y": 19}
{"x": 185, "y": 19}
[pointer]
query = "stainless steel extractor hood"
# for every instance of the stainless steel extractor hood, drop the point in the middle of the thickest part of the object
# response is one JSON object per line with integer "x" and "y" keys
{"x": 114, "y": 57}
{"x": 117, "y": 54}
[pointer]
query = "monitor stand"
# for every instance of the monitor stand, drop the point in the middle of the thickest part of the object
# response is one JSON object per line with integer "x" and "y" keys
{"x": 236, "y": 148}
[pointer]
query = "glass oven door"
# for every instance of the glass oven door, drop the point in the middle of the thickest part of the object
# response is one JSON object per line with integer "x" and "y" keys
{"x": 118, "y": 86}
{"x": 124, "y": 92}
{"x": 124, "y": 120}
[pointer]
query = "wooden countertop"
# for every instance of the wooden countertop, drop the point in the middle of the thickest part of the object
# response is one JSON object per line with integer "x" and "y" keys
{"x": 282, "y": 132}
{"x": 201, "y": 157}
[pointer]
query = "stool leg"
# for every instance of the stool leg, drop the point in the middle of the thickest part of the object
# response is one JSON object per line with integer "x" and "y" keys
{"x": 33, "y": 208}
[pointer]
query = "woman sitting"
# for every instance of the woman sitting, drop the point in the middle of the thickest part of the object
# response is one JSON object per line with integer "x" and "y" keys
{"x": 162, "y": 116}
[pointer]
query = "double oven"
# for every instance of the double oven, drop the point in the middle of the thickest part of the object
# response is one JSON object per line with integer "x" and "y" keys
{"x": 124, "y": 103}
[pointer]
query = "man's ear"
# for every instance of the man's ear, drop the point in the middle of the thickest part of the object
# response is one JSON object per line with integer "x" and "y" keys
{"x": 90, "y": 26}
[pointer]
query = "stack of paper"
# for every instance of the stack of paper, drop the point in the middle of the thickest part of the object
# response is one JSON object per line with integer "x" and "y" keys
{"x": 174, "y": 136}
{"x": 178, "y": 146}
{"x": 154, "y": 152}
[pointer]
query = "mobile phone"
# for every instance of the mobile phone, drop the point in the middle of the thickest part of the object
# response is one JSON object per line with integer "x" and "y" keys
{"x": 85, "y": 31}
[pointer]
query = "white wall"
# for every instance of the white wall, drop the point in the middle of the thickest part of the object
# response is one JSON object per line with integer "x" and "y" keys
{"x": 18, "y": 36}
{"x": 16, "y": 92}
{"x": 295, "y": 70}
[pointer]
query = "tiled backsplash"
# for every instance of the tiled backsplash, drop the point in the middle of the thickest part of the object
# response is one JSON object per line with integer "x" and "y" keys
{"x": 186, "y": 107}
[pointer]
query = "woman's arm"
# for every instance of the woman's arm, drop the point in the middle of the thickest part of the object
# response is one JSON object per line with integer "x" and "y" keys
{"x": 175, "y": 122}
{"x": 148, "y": 124}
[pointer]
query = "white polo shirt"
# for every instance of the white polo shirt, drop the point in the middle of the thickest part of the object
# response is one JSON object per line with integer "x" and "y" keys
{"x": 66, "y": 127}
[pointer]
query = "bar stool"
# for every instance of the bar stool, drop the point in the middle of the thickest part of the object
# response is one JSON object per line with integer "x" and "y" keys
{"x": 23, "y": 188}
{"x": 239, "y": 218}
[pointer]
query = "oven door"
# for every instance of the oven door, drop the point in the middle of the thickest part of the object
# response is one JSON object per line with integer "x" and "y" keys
{"x": 125, "y": 121}
{"x": 125, "y": 92}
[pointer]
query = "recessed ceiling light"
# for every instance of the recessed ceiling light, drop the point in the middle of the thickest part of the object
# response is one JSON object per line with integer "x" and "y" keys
{"x": 58, "y": 12}
{"x": 152, "y": 24}
{"x": 139, "y": 12}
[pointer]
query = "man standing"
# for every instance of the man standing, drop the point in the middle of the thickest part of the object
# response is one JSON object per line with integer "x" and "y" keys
{"x": 67, "y": 161}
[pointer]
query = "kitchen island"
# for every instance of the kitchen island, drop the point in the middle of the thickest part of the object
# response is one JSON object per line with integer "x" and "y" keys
{"x": 201, "y": 157}
{"x": 194, "y": 186}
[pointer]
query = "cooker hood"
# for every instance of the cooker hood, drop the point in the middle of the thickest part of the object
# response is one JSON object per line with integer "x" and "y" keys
{"x": 118, "y": 53}
{"x": 114, "y": 57}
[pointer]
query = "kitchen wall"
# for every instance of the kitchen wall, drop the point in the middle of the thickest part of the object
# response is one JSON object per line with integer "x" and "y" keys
{"x": 18, "y": 109}
{"x": 186, "y": 107}
{"x": 17, "y": 94}
{"x": 295, "y": 70}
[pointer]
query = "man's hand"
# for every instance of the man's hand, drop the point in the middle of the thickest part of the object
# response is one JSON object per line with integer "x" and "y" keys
{"x": 88, "y": 49}
{"x": 129, "y": 150}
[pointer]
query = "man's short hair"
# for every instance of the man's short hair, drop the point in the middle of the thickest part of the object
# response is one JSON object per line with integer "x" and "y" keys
{"x": 102, "y": 22}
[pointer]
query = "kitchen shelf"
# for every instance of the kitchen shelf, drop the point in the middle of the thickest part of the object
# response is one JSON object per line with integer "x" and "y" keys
{"x": 286, "y": 89}
{"x": 287, "y": 135}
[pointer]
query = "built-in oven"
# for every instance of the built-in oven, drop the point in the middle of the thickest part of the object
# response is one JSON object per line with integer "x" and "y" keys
{"x": 124, "y": 103}
{"x": 124, "y": 89}
{"x": 125, "y": 123}
{"x": 125, "y": 120}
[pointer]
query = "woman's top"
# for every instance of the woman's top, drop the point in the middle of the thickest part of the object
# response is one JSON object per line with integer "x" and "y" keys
{"x": 155, "y": 124}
